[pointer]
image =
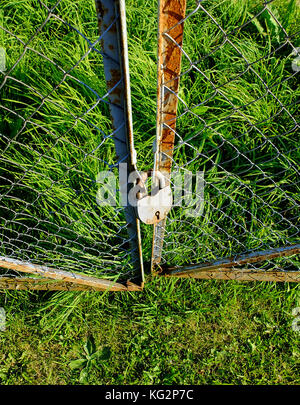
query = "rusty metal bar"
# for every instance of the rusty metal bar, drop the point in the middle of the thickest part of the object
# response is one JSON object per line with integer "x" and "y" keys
{"x": 170, "y": 37}
{"x": 226, "y": 268}
{"x": 42, "y": 284}
{"x": 243, "y": 275}
{"x": 65, "y": 276}
{"x": 112, "y": 27}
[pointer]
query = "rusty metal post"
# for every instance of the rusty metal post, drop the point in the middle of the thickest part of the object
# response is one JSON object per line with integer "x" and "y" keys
{"x": 170, "y": 37}
{"x": 112, "y": 27}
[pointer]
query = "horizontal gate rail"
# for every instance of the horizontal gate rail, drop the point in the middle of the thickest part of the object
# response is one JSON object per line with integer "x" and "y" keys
{"x": 242, "y": 275}
{"x": 226, "y": 268}
{"x": 65, "y": 276}
{"x": 45, "y": 284}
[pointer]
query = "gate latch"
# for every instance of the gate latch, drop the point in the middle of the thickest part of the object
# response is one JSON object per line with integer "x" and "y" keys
{"x": 154, "y": 207}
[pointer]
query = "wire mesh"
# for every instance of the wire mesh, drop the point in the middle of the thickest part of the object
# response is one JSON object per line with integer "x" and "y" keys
{"x": 56, "y": 136}
{"x": 237, "y": 122}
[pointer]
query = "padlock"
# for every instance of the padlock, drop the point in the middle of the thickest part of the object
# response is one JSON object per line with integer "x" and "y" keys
{"x": 153, "y": 208}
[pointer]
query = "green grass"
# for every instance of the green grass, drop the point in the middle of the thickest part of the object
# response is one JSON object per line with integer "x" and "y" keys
{"x": 175, "y": 331}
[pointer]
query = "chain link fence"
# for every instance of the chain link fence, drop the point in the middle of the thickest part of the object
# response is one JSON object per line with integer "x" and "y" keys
{"x": 227, "y": 113}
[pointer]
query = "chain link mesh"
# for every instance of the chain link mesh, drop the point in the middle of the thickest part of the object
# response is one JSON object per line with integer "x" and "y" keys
{"x": 56, "y": 136}
{"x": 237, "y": 121}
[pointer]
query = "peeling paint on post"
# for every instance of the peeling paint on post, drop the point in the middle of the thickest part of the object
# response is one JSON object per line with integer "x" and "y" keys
{"x": 170, "y": 37}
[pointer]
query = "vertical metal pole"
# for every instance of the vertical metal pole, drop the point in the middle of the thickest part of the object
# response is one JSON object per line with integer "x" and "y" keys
{"x": 170, "y": 35}
{"x": 112, "y": 27}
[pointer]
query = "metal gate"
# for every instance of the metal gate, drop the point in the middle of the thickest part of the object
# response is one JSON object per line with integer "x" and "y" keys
{"x": 52, "y": 149}
{"x": 245, "y": 225}
{"x": 226, "y": 145}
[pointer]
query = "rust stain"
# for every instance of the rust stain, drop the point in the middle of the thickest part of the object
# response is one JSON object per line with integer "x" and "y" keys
{"x": 171, "y": 13}
{"x": 115, "y": 76}
{"x": 113, "y": 28}
{"x": 116, "y": 93}
{"x": 101, "y": 11}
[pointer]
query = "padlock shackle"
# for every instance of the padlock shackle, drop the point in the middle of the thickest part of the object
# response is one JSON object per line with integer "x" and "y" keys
{"x": 160, "y": 177}
{"x": 144, "y": 177}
